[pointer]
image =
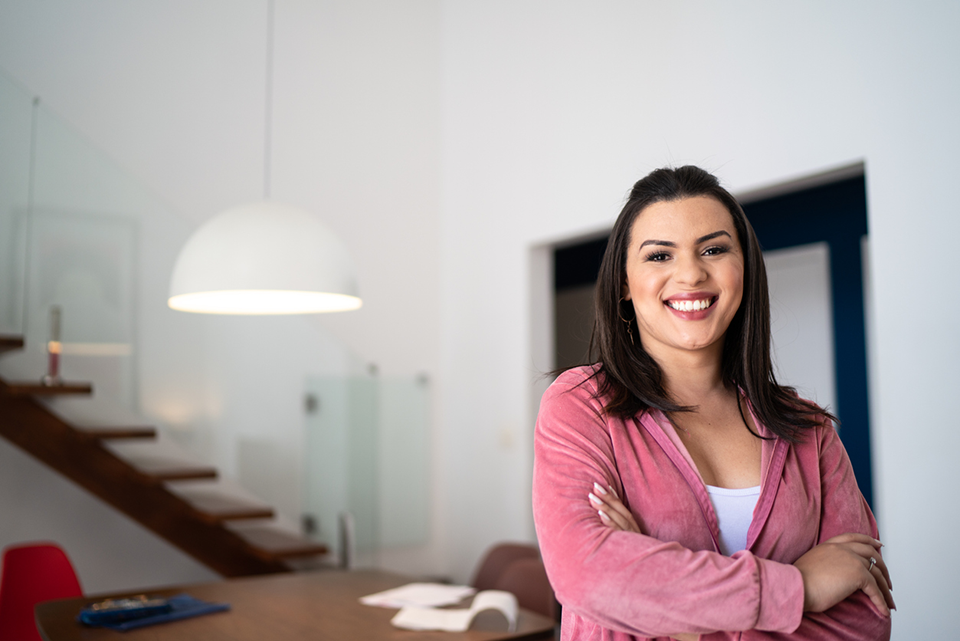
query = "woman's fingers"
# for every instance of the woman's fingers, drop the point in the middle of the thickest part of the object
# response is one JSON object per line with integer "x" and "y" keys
{"x": 882, "y": 584}
{"x": 608, "y": 515}
{"x": 878, "y": 595}
{"x": 876, "y": 585}
{"x": 881, "y": 566}
{"x": 850, "y": 537}
{"x": 868, "y": 551}
{"x": 608, "y": 496}
{"x": 608, "y": 521}
{"x": 874, "y": 553}
{"x": 613, "y": 512}
{"x": 838, "y": 567}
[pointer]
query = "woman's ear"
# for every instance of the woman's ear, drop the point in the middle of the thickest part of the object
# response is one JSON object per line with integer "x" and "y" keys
{"x": 624, "y": 291}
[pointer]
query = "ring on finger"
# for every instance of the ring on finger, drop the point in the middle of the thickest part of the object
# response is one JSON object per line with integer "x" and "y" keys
{"x": 873, "y": 562}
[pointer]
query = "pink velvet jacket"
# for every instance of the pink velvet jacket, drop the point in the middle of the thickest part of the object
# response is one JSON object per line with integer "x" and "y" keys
{"x": 672, "y": 578}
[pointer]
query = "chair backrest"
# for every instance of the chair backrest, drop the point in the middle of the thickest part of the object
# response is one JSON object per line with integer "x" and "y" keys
{"x": 32, "y": 573}
{"x": 497, "y": 559}
{"x": 527, "y": 580}
{"x": 517, "y": 568}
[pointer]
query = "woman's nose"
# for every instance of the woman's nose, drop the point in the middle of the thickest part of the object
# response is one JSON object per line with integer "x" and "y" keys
{"x": 690, "y": 271}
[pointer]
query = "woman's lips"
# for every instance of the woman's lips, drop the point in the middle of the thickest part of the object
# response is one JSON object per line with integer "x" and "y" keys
{"x": 692, "y": 308}
{"x": 691, "y": 304}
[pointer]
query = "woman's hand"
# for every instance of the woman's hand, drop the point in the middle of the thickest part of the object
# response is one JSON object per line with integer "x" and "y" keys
{"x": 612, "y": 511}
{"x": 837, "y": 568}
{"x": 616, "y": 516}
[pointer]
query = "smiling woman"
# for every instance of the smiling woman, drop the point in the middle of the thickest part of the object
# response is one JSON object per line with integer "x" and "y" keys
{"x": 678, "y": 489}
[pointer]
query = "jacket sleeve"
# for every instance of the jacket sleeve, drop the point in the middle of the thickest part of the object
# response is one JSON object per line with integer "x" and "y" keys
{"x": 843, "y": 510}
{"x": 631, "y": 582}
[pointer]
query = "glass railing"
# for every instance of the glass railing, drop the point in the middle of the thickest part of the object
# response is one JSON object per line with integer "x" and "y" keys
{"x": 16, "y": 127}
{"x": 368, "y": 465}
{"x": 72, "y": 230}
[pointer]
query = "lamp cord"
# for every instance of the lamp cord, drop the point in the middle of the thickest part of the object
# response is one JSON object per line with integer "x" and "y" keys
{"x": 269, "y": 103}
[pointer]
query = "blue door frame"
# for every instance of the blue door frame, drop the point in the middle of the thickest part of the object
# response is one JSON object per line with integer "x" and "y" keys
{"x": 836, "y": 214}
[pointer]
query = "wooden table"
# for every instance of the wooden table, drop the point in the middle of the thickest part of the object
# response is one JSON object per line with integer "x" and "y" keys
{"x": 309, "y": 605}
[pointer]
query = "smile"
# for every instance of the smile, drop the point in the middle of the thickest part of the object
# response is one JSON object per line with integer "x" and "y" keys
{"x": 691, "y": 305}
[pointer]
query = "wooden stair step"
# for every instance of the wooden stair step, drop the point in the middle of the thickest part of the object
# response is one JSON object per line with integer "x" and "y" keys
{"x": 216, "y": 507}
{"x": 270, "y": 542}
{"x": 26, "y": 388}
{"x": 10, "y": 343}
{"x": 169, "y": 469}
{"x": 107, "y": 433}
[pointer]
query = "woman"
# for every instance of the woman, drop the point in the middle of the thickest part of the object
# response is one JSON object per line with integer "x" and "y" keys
{"x": 678, "y": 490}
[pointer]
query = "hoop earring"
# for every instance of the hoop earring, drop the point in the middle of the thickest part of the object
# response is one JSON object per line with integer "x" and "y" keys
{"x": 627, "y": 322}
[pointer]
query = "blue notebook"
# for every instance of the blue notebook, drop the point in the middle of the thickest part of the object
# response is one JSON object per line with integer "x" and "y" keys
{"x": 182, "y": 606}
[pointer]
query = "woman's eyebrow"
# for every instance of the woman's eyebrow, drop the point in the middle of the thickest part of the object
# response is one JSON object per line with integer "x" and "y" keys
{"x": 665, "y": 243}
{"x": 702, "y": 239}
{"x": 715, "y": 234}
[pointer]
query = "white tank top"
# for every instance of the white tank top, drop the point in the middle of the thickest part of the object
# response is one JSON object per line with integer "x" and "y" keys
{"x": 734, "y": 508}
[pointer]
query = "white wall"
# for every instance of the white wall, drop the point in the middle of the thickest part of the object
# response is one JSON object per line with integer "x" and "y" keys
{"x": 446, "y": 140}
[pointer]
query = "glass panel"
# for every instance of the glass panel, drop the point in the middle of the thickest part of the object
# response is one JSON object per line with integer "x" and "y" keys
{"x": 404, "y": 462}
{"x": 84, "y": 265}
{"x": 367, "y": 454}
{"x": 71, "y": 224}
{"x": 340, "y": 468}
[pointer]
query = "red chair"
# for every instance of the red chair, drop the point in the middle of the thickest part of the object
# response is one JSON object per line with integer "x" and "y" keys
{"x": 32, "y": 573}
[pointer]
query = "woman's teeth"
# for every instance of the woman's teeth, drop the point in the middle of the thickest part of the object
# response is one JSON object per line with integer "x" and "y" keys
{"x": 690, "y": 305}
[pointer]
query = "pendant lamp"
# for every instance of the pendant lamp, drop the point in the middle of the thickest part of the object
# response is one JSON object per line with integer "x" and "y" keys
{"x": 264, "y": 257}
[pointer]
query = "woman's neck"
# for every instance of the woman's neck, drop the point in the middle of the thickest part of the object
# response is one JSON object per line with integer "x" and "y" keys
{"x": 690, "y": 378}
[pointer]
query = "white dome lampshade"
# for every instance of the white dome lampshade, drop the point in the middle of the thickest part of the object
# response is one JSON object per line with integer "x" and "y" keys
{"x": 264, "y": 258}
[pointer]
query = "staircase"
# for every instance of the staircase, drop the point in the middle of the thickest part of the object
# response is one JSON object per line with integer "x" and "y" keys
{"x": 228, "y": 533}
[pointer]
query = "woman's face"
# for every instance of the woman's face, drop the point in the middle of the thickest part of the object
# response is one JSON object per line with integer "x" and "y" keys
{"x": 684, "y": 275}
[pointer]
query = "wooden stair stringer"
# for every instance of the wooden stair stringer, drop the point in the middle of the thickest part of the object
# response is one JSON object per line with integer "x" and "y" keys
{"x": 85, "y": 461}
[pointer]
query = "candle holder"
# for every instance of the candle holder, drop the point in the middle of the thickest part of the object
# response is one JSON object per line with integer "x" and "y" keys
{"x": 54, "y": 349}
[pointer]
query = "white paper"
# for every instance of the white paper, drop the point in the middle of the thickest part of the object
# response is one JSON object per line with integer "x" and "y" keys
{"x": 421, "y": 618}
{"x": 419, "y": 594}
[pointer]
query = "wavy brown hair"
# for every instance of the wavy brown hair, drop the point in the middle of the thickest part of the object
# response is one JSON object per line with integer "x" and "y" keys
{"x": 630, "y": 380}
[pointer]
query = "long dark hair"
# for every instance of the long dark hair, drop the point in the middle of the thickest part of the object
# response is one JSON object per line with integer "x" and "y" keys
{"x": 630, "y": 380}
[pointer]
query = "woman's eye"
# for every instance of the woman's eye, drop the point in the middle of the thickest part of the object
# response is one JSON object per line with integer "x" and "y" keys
{"x": 714, "y": 251}
{"x": 658, "y": 257}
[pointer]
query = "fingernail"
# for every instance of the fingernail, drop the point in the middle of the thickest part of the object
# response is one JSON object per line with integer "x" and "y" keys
{"x": 879, "y": 544}
{"x": 599, "y": 488}
{"x": 594, "y": 499}
{"x": 612, "y": 491}
{"x": 603, "y": 517}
